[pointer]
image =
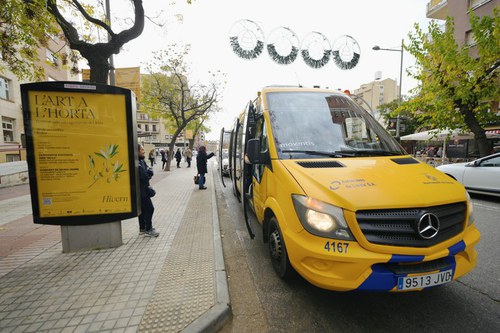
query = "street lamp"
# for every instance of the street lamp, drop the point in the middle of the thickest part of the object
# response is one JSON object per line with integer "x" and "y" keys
{"x": 378, "y": 48}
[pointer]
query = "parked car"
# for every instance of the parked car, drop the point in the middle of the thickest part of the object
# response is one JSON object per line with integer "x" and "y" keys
{"x": 479, "y": 176}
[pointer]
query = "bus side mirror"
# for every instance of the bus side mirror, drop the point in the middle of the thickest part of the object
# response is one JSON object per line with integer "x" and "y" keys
{"x": 255, "y": 156}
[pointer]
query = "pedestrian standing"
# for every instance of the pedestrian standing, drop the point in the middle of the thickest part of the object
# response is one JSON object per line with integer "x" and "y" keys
{"x": 201, "y": 164}
{"x": 147, "y": 208}
{"x": 152, "y": 157}
{"x": 178, "y": 157}
{"x": 163, "y": 159}
{"x": 189, "y": 155}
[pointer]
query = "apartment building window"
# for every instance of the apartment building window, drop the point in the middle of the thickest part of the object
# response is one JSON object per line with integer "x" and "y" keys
{"x": 52, "y": 58}
{"x": 154, "y": 128}
{"x": 146, "y": 128}
{"x": 8, "y": 129}
{"x": 473, "y": 4}
{"x": 4, "y": 88}
{"x": 469, "y": 38}
{"x": 12, "y": 157}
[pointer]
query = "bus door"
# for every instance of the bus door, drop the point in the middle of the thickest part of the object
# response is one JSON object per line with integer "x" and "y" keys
{"x": 259, "y": 182}
{"x": 244, "y": 172}
{"x": 234, "y": 151}
{"x": 223, "y": 153}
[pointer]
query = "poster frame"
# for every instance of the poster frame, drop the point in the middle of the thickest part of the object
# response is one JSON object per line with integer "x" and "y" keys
{"x": 132, "y": 163}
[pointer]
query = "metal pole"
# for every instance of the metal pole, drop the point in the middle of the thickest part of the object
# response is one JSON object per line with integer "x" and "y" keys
{"x": 400, "y": 86}
{"x": 371, "y": 96}
{"x": 111, "y": 61}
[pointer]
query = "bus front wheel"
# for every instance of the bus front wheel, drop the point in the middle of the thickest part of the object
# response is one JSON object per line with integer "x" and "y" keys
{"x": 278, "y": 252}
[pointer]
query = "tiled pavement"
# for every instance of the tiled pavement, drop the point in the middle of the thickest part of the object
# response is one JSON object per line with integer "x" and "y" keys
{"x": 171, "y": 283}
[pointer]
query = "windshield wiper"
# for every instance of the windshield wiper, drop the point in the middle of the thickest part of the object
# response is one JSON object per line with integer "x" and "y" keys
{"x": 322, "y": 153}
{"x": 375, "y": 152}
{"x": 351, "y": 153}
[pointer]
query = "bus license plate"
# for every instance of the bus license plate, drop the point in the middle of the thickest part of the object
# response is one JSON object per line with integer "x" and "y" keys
{"x": 423, "y": 281}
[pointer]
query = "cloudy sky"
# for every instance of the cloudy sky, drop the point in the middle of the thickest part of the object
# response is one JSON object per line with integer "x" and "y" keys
{"x": 207, "y": 25}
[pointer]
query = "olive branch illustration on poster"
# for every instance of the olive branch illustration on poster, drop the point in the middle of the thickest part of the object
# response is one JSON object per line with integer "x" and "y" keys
{"x": 104, "y": 166}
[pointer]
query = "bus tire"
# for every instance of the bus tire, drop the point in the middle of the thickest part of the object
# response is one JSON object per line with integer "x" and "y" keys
{"x": 278, "y": 252}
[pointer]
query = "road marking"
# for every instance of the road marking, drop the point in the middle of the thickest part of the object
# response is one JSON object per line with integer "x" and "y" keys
{"x": 492, "y": 208}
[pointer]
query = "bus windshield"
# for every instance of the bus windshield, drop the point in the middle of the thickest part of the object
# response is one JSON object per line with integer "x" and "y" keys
{"x": 318, "y": 124}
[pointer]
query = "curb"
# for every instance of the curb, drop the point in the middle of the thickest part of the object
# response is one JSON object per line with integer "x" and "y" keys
{"x": 215, "y": 318}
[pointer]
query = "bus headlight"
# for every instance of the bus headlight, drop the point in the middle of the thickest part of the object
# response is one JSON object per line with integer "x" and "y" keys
{"x": 321, "y": 219}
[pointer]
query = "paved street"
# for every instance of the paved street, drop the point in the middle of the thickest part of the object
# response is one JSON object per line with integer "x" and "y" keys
{"x": 172, "y": 283}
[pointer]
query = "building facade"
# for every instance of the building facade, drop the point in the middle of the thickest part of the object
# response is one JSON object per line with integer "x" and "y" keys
{"x": 12, "y": 143}
{"x": 371, "y": 95}
{"x": 154, "y": 132}
{"x": 460, "y": 11}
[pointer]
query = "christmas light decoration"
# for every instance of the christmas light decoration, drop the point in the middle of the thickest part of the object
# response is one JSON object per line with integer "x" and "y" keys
{"x": 283, "y": 46}
{"x": 346, "y": 52}
{"x": 246, "y": 39}
{"x": 316, "y": 50}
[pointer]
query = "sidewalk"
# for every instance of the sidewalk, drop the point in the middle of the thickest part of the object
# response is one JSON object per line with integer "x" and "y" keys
{"x": 173, "y": 283}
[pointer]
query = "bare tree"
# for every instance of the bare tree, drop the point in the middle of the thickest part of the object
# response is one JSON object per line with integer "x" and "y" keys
{"x": 97, "y": 54}
{"x": 169, "y": 94}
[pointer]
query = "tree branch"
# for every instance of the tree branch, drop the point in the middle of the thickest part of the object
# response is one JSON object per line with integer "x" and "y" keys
{"x": 136, "y": 30}
{"x": 91, "y": 19}
{"x": 488, "y": 72}
{"x": 69, "y": 31}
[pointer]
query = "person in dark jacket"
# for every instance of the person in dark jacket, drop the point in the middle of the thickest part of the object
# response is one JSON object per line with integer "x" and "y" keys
{"x": 147, "y": 208}
{"x": 163, "y": 159}
{"x": 201, "y": 164}
{"x": 178, "y": 157}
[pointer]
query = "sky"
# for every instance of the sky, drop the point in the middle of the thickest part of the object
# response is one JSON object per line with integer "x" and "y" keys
{"x": 207, "y": 24}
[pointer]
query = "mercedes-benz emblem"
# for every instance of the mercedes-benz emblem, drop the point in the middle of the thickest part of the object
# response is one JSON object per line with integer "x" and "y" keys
{"x": 428, "y": 226}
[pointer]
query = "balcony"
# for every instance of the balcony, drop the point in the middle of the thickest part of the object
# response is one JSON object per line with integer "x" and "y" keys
{"x": 437, "y": 9}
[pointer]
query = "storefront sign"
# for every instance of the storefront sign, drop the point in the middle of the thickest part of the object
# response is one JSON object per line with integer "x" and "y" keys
{"x": 82, "y": 148}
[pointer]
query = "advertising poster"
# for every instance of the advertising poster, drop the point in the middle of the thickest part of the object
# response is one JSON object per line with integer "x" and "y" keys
{"x": 128, "y": 77}
{"x": 81, "y": 154}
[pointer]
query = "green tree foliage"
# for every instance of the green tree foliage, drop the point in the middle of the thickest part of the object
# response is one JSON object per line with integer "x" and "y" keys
{"x": 20, "y": 37}
{"x": 168, "y": 92}
{"x": 457, "y": 88}
{"x": 391, "y": 110}
{"x": 198, "y": 125}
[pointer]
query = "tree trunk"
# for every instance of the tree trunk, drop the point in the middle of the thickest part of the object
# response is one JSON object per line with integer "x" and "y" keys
{"x": 99, "y": 69}
{"x": 170, "y": 154}
{"x": 475, "y": 127}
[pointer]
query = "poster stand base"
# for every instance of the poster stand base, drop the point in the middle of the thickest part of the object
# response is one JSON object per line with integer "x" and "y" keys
{"x": 91, "y": 237}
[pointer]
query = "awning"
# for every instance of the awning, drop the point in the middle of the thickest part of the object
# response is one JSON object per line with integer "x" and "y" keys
{"x": 438, "y": 135}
